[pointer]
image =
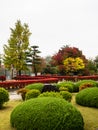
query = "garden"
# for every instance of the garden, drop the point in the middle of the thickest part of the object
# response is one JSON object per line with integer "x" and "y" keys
{"x": 63, "y": 105}
{"x": 64, "y": 96}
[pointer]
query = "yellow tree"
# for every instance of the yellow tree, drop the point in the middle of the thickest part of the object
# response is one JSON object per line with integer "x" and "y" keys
{"x": 73, "y": 65}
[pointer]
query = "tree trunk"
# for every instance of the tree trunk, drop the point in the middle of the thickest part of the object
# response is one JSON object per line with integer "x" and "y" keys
{"x": 19, "y": 72}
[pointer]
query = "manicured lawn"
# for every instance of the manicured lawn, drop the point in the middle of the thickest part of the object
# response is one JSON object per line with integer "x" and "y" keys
{"x": 90, "y": 115}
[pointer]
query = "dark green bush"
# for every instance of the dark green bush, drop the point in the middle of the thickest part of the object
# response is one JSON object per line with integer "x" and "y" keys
{"x": 82, "y": 82}
{"x": 49, "y": 88}
{"x": 88, "y": 97}
{"x": 50, "y": 94}
{"x": 66, "y": 95}
{"x": 47, "y": 113}
{"x": 32, "y": 94}
{"x": 4, "y": 96}
{"x": 38, "y": 86}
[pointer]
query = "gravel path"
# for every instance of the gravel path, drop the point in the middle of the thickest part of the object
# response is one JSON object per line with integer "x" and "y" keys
{"x": 14, "y": 96}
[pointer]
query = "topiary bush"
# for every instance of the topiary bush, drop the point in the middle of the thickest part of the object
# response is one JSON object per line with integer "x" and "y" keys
{"x": 88, "y": 97}
{"x": 4, "y": 96}
{"x": 47, "y": 113}
{"x": 67, "y": 84}
{"x": 66, "y": 95}
{"x": 82, "y": 82}
{"x": 49, "y": 88}
{"x": 63, "y": 89}
{"x": 32, "y": 94}
{"x": 38, "y": 86}
{"x": 50, "y": 94}
{"x": 85, "y": 85}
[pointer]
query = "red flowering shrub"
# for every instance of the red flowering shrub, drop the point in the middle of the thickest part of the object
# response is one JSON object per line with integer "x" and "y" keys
{"x": 2, "y": 78}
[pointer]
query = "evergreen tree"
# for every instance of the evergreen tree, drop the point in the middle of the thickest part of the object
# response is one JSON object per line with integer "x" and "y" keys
{"x": 14, "y": 51}
{"x": 33, "y": 58}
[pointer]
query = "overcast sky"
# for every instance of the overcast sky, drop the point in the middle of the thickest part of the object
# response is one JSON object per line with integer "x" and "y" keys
{"x": 53, "y": 23}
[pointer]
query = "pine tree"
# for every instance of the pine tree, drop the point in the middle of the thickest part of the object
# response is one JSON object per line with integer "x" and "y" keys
{"x": 14, "y": 51}
{"x": 33, "y": 58}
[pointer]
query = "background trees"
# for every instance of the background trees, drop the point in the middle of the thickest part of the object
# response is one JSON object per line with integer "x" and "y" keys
{"x": 18, "y": 55}
{"x": 61, "y": 59}
{"x": 14, "y": 51}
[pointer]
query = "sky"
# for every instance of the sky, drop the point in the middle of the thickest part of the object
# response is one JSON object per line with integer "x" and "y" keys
{"x": 53, "y": 24}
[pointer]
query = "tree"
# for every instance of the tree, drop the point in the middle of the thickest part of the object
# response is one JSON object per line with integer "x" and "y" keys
{"x": 33, "y": 59}
{"x": 14, "y": 52}
{"x": 73, "y": 65}
{"x": 92, "y": 67}
{"x": 64, "y": 53}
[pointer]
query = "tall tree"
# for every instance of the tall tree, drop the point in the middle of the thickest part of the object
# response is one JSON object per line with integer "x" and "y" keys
{"x": 33, "y": 58}
{"x": 14, "y": 51}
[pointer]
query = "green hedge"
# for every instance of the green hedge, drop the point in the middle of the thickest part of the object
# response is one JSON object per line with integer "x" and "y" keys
{"x": 47, "y": 113}
{"x": 50, "y": 94}
{"x": 88, "y": 97}
{"x": 66, "y": 84}
{"x": 66, "y": 95}
{"x": 38, "y": 86}
{"x": 4, "y": 96}
{"x": 32, "y": 94}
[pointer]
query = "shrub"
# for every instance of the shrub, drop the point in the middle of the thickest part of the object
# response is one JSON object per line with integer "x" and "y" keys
{"x": 66, "y": 84}
{"x": 50, "y": 94}
{"x": 63, "y": 89}
{"x": 88, "y": 97}
{"x": 38, "y": 86}
{"x": 66, "y": 95}
{"x": 23, "y": 92}
{"x": 4, "y": 96}
{"x": 46, "y": 113}
{"x": 81, "y": 82}
{"x": 85, "y": 85}
{"x": 49, "y": 87}
{"x": 32, "y": 94}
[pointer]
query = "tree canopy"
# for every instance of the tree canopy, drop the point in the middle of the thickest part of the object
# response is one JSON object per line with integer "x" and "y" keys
{"x": 14, "y": 50}
{"x": 63, "y": 56}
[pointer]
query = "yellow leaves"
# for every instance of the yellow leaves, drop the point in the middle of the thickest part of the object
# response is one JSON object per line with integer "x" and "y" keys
{"x": 73, "y": 64}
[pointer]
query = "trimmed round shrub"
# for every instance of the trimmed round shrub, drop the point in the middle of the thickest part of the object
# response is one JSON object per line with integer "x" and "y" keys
{"x": 32, "y": 94}
{"x": 38, "y": 86}
{"x": 51, "y": 94}
{"x": 88, "y": 97}
{"x": 66, "y": 95}
{"x": 82, "y": 82}
{"x": 46, "y": 113}
{"x": 4, "y": 96}
{"x": 63, "y": 89}
{"x": 66, "y": 84}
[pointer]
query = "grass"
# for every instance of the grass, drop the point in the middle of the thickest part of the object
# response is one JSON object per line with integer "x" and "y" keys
{"x": 90, "y": 115}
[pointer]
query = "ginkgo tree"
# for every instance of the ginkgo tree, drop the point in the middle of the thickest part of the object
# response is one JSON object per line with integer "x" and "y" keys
{"x": 73, "y": 65}
{"x": 14, "y": 50}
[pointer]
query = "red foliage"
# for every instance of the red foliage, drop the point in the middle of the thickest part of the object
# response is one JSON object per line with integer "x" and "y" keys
{"x": 2, "y": 78}
{"x": 23, "y": 83}
{"x": 43, "y": 79}
{"x": 66, "y": 52}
